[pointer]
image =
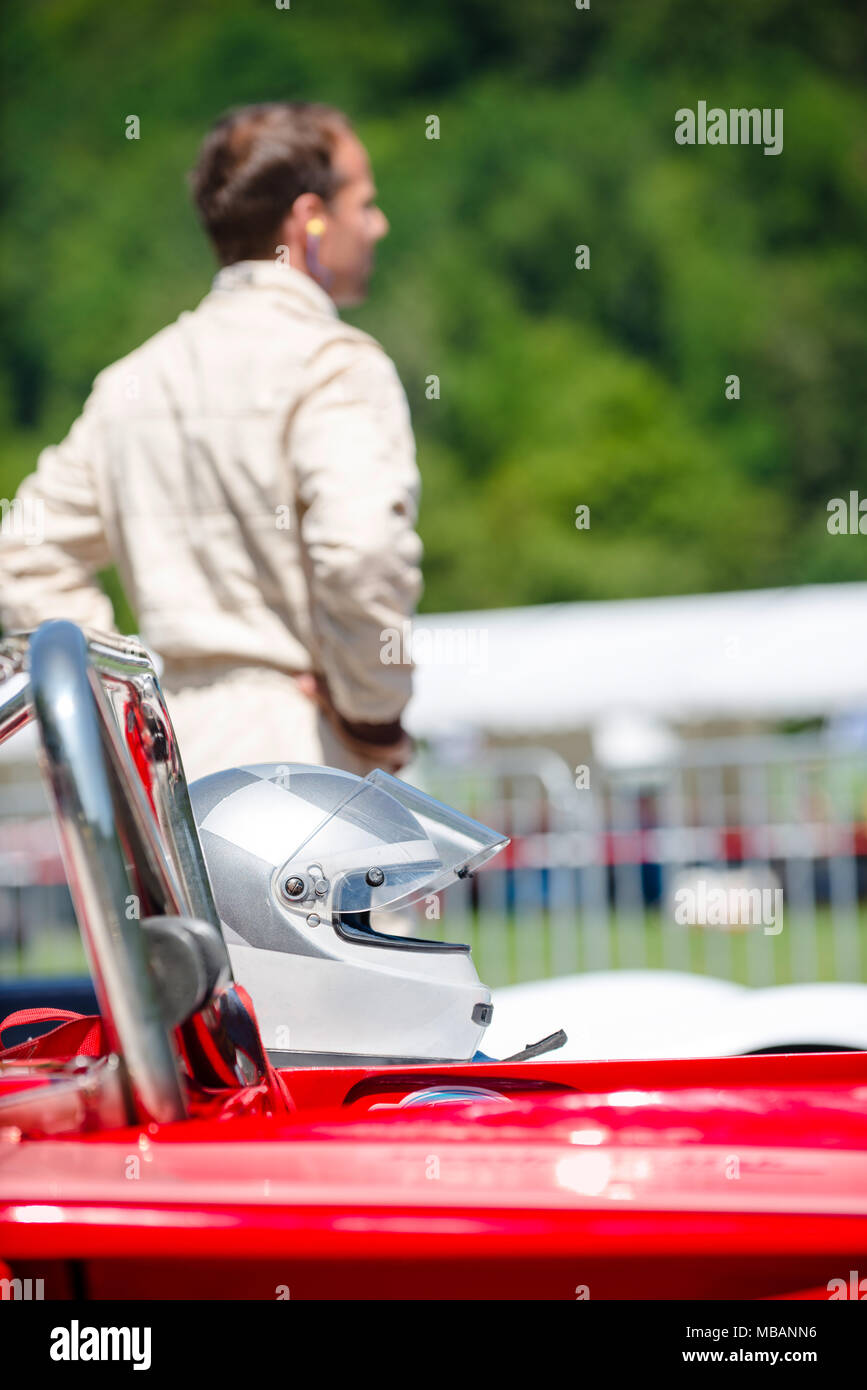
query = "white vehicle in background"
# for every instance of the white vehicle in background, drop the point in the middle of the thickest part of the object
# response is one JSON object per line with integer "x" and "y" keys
{"x": 663, "y": 1013}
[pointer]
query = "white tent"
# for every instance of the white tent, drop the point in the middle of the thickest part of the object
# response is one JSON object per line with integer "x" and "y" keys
{"x": 766, "y": 654}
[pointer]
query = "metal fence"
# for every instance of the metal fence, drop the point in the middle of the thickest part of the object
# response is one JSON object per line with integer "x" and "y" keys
{"x": 603, "y": 876}
{"x": 594, "y": 873}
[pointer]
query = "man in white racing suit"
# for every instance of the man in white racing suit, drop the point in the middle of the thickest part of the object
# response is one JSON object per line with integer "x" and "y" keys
{"x": 251, "y": 472}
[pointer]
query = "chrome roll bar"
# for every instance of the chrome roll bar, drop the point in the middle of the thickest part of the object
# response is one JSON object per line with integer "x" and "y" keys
{"x": 130, "y": 848}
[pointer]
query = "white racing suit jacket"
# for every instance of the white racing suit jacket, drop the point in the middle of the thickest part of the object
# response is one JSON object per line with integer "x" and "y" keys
{"x": 251, "y": 472}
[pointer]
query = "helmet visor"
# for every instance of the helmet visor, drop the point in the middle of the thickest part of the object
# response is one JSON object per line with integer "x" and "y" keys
{"x": 385, "y": 845}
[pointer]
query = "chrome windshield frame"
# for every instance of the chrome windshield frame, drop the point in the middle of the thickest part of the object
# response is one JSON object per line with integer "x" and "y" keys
{"x": 110, "y": 761}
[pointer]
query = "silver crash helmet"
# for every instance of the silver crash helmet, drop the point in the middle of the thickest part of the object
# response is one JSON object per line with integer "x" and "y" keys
{"x": 312, "y": 871}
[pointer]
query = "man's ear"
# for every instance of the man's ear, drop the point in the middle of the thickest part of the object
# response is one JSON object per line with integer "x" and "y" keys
{"x": 306, "y": 208}
{"x": 293, "y": 230}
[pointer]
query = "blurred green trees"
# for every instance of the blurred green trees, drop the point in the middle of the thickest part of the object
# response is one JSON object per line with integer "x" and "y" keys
{"x": 557, "y": 386}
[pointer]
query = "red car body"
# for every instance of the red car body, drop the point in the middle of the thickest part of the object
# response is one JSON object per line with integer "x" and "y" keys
{"x": 738, "y": 1178}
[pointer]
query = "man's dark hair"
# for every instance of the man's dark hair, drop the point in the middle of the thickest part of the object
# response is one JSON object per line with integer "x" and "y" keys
{"x": 252, "y": 166}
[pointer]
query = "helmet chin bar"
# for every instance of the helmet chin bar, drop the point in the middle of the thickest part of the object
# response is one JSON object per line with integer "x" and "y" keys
{"x": 371, "y": 1005}
{"x": 363, "y": 996}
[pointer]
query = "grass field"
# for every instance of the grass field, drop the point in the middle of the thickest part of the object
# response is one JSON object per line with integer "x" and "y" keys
{"x": 508, "y": 951}
{"x": 51, "y": 951}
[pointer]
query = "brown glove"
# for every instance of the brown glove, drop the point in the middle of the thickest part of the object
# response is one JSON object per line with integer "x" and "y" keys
{"x": 388, "y": 745}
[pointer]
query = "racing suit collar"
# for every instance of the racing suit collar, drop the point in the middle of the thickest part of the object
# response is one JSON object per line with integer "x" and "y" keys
{"x": 275, "y": 275}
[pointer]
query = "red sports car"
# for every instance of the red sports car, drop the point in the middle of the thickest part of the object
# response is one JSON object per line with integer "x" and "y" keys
{"x": 174, "y": 1147}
